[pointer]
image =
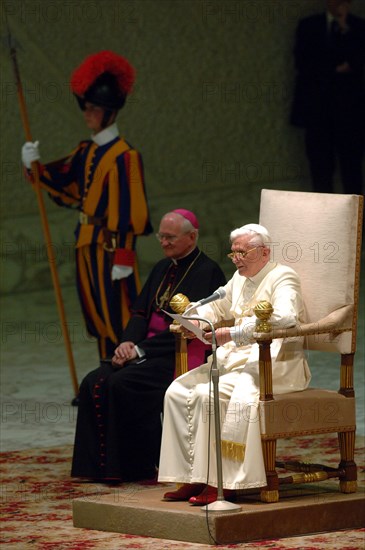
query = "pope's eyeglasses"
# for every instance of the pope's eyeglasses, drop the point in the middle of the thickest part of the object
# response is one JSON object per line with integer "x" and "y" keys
{"x": 240, "y": 255}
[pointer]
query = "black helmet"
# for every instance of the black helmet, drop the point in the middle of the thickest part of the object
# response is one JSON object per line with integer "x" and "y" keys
{"x": 104, "y": 92}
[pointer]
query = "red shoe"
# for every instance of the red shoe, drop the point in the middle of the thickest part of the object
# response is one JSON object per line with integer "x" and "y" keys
{"x": 184, "y": 492}
{"x": 210, "y": 494}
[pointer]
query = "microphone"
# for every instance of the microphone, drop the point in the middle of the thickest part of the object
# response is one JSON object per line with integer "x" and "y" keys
{"x": 217, "y": 295}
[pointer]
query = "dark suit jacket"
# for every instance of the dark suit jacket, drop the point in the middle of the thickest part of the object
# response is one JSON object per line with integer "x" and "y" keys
{"x": 319, "y": 90}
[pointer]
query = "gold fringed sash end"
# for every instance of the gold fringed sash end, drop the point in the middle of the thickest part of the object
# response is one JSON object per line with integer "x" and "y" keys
{"x": 232, "y": 450}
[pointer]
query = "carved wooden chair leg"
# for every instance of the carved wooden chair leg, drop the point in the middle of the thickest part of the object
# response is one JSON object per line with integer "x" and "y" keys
{"x": 181, "y": 366}
{"x": 348, "y": 480}
{"x": 270, "y": 493}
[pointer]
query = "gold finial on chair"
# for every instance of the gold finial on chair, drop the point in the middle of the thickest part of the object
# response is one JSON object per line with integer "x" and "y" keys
{"x": 179, "y": 303}
{"x": 263, "y": 311}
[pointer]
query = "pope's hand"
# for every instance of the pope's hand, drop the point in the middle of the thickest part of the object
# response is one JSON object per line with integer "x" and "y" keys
{"x": 222, "y": 336}
{"x": 30, "y": 153}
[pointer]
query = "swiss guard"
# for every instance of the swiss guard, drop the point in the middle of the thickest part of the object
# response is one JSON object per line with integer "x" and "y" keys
{"x": 103, "y": 179}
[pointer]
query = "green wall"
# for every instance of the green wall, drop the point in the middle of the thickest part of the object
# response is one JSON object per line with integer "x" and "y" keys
{"x": 209, "y": 114}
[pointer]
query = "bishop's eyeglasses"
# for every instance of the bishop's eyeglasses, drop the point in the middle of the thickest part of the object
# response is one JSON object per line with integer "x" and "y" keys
{"x": 165, "y": 237}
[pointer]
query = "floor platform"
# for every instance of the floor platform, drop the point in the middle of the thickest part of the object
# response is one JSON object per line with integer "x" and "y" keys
{"x": 304, "y": 510}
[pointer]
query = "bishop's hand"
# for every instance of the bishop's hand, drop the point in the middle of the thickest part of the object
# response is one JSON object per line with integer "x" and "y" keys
{"x": 125, "y": 352}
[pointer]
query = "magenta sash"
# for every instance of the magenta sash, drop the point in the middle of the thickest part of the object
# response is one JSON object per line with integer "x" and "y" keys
{"x": 157, "y": 324}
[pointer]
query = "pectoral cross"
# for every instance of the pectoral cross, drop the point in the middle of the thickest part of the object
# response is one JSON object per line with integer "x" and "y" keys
{"x": 165, "y": 297}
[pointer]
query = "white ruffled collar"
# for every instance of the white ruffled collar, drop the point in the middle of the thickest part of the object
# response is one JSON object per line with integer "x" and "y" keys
{"x": 106, "y": 135}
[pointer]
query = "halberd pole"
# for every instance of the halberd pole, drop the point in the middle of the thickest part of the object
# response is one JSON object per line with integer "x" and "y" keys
{"x": 44, "y": 221}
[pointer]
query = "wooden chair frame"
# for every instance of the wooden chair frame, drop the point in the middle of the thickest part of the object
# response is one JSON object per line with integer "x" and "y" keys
{"x": 338, "y": 322}
{"x": 306, "y": 473}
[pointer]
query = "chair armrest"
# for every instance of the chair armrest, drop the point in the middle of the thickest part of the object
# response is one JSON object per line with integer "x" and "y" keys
{"x": 337, "y": 321}
{"x": 225, "y": 323}
{"x": 176, "y": 328}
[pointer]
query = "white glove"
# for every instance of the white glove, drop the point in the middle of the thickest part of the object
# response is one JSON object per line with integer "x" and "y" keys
{"x": 121, "y": 272}
{"x": 30, "y": 153}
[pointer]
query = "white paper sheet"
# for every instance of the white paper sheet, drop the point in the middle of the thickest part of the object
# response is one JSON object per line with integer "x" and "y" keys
{"x": 184, "y": 321}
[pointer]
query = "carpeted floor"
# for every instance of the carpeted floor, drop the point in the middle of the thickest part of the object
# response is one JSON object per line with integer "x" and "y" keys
{"x": 37, "y": 491}
{"x": 37, "y": 496}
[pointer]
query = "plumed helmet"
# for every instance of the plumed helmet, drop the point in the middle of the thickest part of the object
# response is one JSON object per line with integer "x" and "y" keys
{"x": 104, "y": 79}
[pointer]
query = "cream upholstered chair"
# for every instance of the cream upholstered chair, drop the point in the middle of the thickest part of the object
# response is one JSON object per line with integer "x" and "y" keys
{"x": 318, "y": 235}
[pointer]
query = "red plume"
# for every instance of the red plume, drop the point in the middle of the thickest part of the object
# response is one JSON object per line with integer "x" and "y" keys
{"x": 103, "y": 62}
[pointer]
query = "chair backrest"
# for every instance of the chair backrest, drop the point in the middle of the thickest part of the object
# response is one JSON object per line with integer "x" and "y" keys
{"x": 319, "y": 235}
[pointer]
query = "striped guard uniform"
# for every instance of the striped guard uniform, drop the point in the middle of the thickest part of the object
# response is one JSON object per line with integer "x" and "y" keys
{"x": 105, "y": 182}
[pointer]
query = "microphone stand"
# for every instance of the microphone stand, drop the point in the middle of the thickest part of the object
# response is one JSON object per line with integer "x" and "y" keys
{"x": 219, "y": 505}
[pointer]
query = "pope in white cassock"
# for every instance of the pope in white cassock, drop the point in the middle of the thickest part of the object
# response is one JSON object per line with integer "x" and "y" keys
{"x": 187, "y": 447}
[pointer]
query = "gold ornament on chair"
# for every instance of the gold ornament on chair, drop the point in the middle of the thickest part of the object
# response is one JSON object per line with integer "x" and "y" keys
{"x": 179, "y": 303}
{"x": 263, "y": 311}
